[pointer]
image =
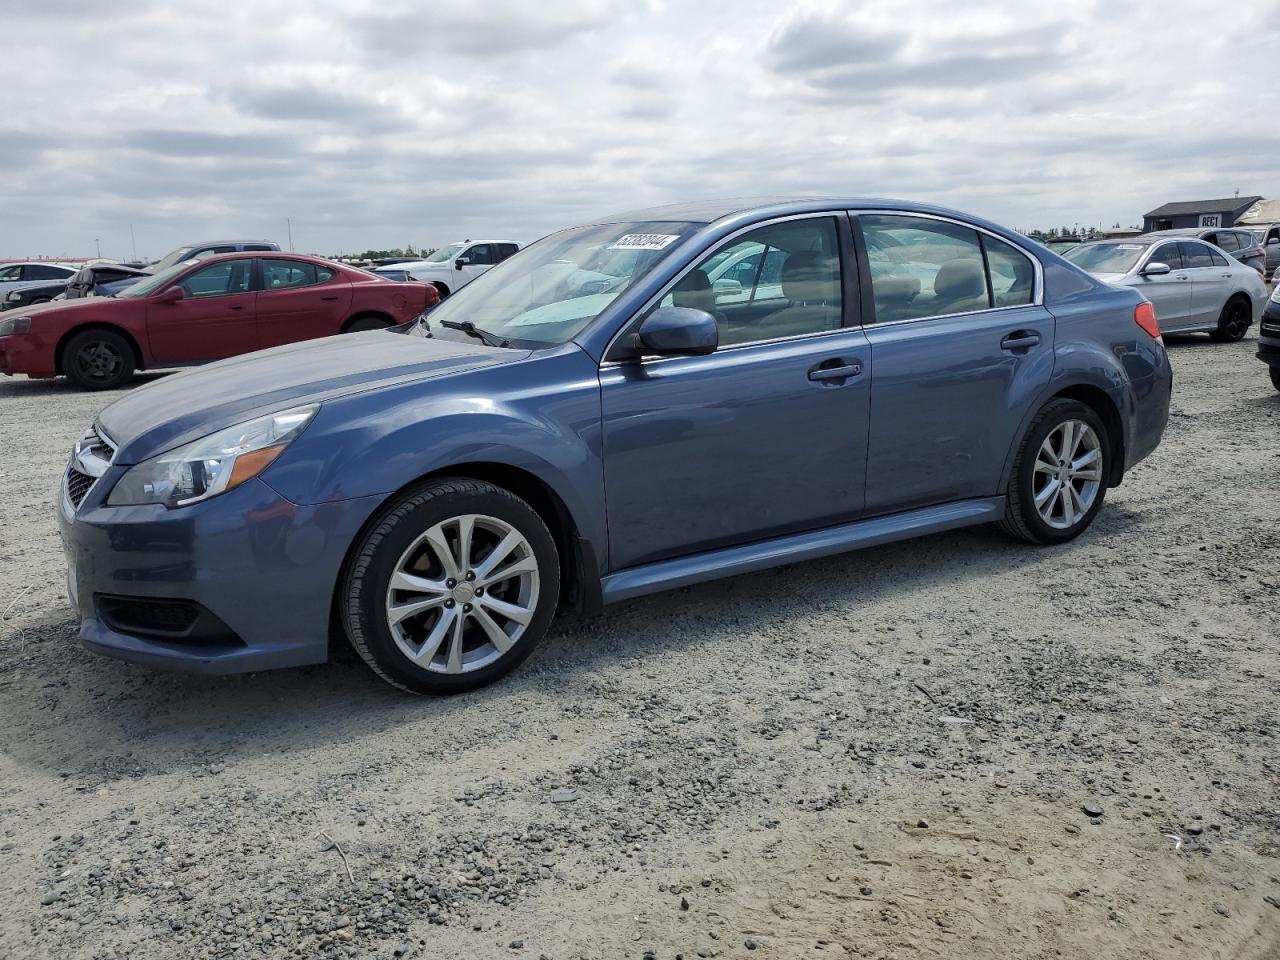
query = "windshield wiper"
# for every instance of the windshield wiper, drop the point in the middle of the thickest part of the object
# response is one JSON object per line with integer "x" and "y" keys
{"x": 484, "y": 336}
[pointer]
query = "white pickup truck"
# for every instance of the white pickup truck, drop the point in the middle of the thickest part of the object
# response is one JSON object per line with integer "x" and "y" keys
{"x": 451, "y": 268}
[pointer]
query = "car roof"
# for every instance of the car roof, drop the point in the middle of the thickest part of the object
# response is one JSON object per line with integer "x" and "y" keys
{"x": 1191, "y": 231}
{"x": 41, "y": 263}
{"x": 215, "y": 243}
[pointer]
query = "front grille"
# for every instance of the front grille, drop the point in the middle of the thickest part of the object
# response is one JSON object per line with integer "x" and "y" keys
{"x": 97, "y": 445}
{"x": 78, "y": 485}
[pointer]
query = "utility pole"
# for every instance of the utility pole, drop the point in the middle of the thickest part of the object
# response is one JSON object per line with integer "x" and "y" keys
{"x": 133, "y": 243}
{"x": 289, "y": 223}
{"x": 98, "y": 244}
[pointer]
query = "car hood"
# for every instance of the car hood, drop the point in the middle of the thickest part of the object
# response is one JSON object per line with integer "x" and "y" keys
{"x": 33, "y": 284}
{"x": 186, "y": 406}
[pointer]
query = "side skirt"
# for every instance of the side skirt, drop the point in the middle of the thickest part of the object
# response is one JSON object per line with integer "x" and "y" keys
{"x": 731, "y": 561}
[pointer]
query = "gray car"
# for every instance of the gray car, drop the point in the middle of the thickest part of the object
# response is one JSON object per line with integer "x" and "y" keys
{"x": 1239, "y": 242}
{"x": 1194, "y": 286}
{"x": 1269, "y": 237}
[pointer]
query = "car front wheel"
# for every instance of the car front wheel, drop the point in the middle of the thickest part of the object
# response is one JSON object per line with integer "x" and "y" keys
{"x": 1059, "y": 476}
{"x": 452, "y": 587}
{"x": 98, "y": 360}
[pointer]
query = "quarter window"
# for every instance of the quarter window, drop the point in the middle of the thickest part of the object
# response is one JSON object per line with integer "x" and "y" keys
{"x": 1227, "y": 241}
{"x": 1218, "y": 259}
{"x": 217, "y": 280}
{"x": 284, "y": 274}
{"x": 924, "y": 268}
{"x": 44, "y": 271}
{"x": 1194, "y": 255}
{"x": 779, "y": 281}
{"x": 1012, "y": 276}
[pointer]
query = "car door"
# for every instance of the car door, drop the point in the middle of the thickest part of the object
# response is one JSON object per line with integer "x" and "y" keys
{"x": 958, "y": 352}
{"x": 1169, "y": 293}
{"x": 763, "y": 437}
{"x": 472, "y": 262}
{"x": 299, "y": 300}
{"x": 214, "y": 319}
{"x": 1211, "y": 282}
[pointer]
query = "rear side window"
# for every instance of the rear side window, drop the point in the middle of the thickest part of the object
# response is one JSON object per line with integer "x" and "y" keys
{"x": 1227, "y": 241}
{"x": 44, "y": 271}
{"x": 1167, "y": 253}
{"x": 506, "y": 250}
{"x": 1194, "y": 255}
{"x": 924, "y": 268}
{"x": 1012, "y": 276}
{"x": 286, "y": 274}
{"x": 258, "y": 246}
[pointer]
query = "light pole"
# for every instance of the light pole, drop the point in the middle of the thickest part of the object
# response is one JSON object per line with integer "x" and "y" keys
{"x": 98, "y": 245}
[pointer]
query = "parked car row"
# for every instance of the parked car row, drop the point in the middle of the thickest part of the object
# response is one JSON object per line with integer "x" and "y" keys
{"x": 644, "y": 402}
{"x": 91, "y": 280}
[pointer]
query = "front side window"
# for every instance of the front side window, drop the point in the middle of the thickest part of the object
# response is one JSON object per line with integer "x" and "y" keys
{"x": 923, "y": 268}
{"x": 779, "y": 281}
{"x": 283, "y": 274}
{"x": 481, "y": 255}
{"x": 1194, "y": 255}
{"x": 11, "y": 274}
{"x": 1168, "y": 254}
{"x": 217, "y": 280}
{"x": 552, "y": 290}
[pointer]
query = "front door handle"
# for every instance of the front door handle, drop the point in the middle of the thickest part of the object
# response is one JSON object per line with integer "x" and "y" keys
{"x": 1020, "y": 340}
{"x": 330, "y": 298}
{"x": 236, "y": 306}
{"x": 843, "y": 371}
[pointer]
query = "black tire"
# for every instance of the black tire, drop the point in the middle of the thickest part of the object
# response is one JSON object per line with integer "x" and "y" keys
{"x": 364, "y": 587}
{"x": 441, "y": 289}
{"x": 360, "y": 324}
{"x": 36, "y": 300}
{"x": 1275, "y": 376}
{"x": 98, "y": 360}
{"x": 1234, "y": 321}
{"x": 1022, "y": 518}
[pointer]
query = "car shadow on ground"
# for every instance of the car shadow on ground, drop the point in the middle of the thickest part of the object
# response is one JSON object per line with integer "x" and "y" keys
{"x": 66, "y": 708}
{"x": 24, "y": 387}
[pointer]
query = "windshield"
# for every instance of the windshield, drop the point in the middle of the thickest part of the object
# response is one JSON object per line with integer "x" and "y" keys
{"x": 548, "y": 292}
{"x": 446, "y": 253}
{"x": 169, "y": 259}
{"x": 1106, "y": 257}
{"x": 154, "y": 282}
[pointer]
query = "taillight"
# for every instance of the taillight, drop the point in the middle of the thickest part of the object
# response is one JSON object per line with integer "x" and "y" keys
{"x": 1144, "y": 315}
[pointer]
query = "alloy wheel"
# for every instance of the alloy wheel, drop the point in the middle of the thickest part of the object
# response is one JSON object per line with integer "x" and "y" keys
{"x": 1067, "y": 474}
{"x": 1237, "y": 320}
{"x": 462, "y": 594}
{"x": 99, "y": 361}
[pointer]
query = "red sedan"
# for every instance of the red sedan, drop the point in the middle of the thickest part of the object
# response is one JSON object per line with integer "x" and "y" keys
{"x": 194, "y": 312}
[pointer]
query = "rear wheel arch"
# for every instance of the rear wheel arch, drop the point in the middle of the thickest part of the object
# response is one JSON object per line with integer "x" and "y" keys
{"x": 368, "y": 315}
{"x": 1101, "y": 403}
{"x": 139, "y": 361}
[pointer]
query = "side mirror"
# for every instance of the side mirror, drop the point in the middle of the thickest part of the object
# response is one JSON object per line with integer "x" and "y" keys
{"x": 678, "y": 332}
{"x": 169, "y": 295}
{"x": 1155, "y": 269}
{"x": 461, "y": 262}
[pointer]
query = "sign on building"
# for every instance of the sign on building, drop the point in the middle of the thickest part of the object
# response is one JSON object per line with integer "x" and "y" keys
{"x": 1210, "y": 220}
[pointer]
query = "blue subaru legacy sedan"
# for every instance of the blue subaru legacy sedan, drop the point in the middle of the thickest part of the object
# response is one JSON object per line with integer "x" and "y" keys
{"x": 644, "y": 402}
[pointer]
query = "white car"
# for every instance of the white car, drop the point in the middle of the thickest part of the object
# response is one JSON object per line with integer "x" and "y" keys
{"x": 14, "y": 274}
{"x": 451, "y": 268}
{"x": 1194, "y": 286}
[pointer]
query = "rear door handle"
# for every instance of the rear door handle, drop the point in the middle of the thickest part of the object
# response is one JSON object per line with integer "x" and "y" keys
{"x": 1020, "y": 340}
{"x": 842, "y": 372}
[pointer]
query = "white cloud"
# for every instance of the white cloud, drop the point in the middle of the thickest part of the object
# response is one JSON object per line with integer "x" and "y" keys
{"x": 375, "y": 124}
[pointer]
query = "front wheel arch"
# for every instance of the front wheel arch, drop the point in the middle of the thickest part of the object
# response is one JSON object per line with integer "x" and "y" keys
{"x": 138, "y": 362}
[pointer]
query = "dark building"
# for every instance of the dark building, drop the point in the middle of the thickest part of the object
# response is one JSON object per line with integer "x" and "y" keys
{"x": 1198, "y": 213}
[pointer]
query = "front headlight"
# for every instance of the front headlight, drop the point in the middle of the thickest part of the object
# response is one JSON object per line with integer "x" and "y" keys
{"x": 14, "y": 325}
{"x": 14, "y": 296}
{"x": 214, "y": 464}
{"x": 1275, "y": 294}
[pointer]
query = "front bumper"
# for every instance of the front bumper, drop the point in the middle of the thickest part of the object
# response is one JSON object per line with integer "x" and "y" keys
{"x": 26, "y": 353}
{"x": 1269, "y": 335}
{"x": 263, "y": 568}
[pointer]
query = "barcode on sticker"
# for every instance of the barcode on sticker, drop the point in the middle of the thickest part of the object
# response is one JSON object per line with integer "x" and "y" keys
{"x": 644, "y": 241}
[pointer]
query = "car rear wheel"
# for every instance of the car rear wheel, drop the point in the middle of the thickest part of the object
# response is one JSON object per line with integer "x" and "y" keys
{"x": 98, "y": 360}
{"x": 1059, "y": 475}
{"x": 35, "y": 300}
{"x": 1275, "y": 377}
{"x": 1234, "y": 321}
{"x": 451, "y": 588}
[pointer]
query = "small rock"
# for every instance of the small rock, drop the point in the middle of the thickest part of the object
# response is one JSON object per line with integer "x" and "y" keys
{"x": 922, "y": 824}
{"x": 1093, "y": 808}
{"x": 517, "y": 944}
{"x": 1221, "y": 909}
{"x": 865, "y": 891}
{"x": 49, "y": 899}
{"x": 749, "y": 943}
{"x": 684, "y": 903}
{"x": 564, "y": 795}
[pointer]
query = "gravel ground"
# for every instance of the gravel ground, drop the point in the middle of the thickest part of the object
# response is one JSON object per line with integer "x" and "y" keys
{"x": 886, "y": 754}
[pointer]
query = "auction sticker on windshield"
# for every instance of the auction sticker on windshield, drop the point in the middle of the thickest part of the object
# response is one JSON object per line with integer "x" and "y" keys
{"x": 643, "y": 241}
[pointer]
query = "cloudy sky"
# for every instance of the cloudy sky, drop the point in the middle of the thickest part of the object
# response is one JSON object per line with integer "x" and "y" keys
{"x": 376, "y": 124}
